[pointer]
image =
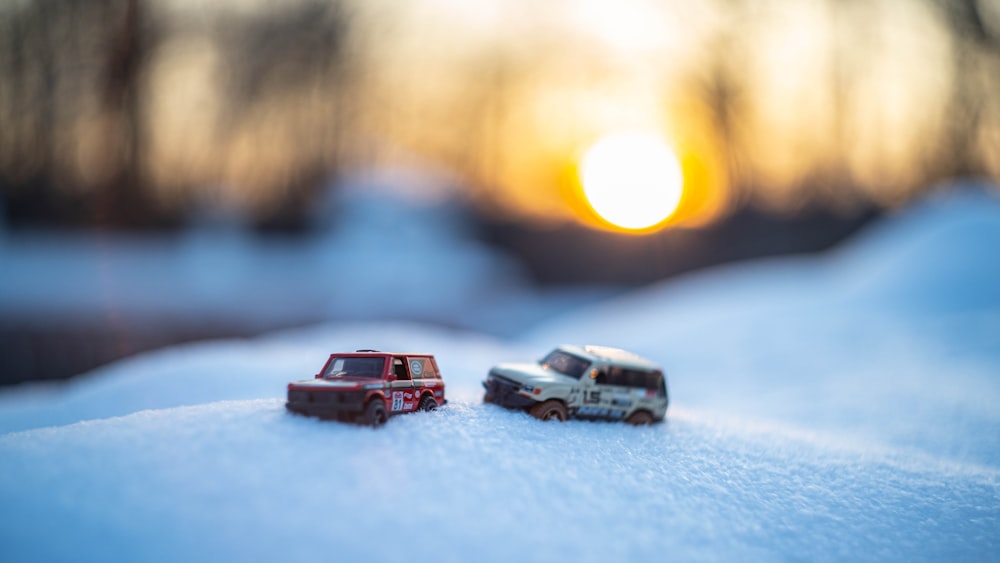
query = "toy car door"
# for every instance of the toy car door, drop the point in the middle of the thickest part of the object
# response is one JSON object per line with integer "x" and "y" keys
{"x": 616, "y": 392}
{"x": 402, "y": 395}
{"x": 595, "y": 395}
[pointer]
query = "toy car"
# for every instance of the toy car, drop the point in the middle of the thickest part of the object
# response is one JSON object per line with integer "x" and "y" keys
{"x": 591, "y": 382}
{"x": 369, "y": 386}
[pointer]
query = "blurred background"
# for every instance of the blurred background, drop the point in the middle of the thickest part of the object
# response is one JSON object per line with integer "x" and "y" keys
{"x": 179, "y": 170}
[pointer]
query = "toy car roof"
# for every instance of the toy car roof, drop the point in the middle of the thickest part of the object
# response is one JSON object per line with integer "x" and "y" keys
{"x": 609, "y": 354}
{"x": 379, "y": 353}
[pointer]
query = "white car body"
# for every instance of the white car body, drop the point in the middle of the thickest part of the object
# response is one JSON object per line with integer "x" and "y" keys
{"x": 595, "y": 382}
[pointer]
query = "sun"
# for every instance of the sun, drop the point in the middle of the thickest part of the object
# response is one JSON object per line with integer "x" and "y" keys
{"x": 632, "y": 180}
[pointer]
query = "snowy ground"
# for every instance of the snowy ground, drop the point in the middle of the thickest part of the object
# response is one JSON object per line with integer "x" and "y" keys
{"x": 836, "y": 408}
{"x": 374, "y": 253}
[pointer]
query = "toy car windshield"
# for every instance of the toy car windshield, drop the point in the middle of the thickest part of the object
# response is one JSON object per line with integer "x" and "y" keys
{"x": 565, "y": 363}
{"x": 355, "y": 367}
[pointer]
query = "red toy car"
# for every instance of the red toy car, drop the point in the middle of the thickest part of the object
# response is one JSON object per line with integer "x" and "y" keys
{"x": 369, "y": 386}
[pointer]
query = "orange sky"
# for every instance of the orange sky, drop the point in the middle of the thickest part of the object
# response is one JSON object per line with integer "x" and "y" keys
{"x": 775, "y": 102}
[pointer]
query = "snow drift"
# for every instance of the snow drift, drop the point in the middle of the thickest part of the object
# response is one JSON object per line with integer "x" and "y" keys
{"x": 842, "y": 407}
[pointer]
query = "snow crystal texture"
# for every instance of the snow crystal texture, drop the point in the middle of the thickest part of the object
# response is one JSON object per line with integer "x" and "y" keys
{"x": 838, "y": 408}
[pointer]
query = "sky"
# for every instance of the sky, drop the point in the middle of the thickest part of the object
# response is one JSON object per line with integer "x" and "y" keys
{"x": 777, "y": 104}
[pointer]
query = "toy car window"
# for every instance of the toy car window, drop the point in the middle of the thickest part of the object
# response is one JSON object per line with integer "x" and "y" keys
{"x": 421, "y": 368}
{"x": 616, "y": 376}
{"x": 399, "y": 368}
{"x": 634, "y": 378}
{"x": 657, "y": 382}
{"x": 654, "y": 381}
{"x": 355, "y": 367}
{"x": 565, "y": 363}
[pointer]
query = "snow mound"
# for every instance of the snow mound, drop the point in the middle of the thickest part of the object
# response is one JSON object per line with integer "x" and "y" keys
{"x": 842, "y": 407}
{"x": 373, "y": 254}
{"x": 939, "y": 256}
{"x": 873, "y": 340}
{"x": 246, "y": 481}
{"x": 240, "y": 369}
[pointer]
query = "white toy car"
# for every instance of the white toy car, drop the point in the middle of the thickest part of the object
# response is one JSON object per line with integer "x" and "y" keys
{"x": 592, "y": 382}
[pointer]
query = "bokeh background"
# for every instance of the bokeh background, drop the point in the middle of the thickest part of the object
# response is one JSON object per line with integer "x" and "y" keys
{"x": 179, "y": 170}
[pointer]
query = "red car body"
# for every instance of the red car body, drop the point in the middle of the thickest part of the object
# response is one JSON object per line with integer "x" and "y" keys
{"x": 369, "y": 386}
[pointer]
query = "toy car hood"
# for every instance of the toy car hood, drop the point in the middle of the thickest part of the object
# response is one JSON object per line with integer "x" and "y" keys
{"x": 333, "y": 384}
{"x": 531, "y": 374}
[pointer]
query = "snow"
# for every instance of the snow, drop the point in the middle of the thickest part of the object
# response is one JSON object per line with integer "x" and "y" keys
{"x": 375, "y": 254}
{"x": 839, "y": 407}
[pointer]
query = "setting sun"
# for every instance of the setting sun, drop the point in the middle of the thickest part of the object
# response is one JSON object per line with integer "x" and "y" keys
{"x": 632, "y": 180}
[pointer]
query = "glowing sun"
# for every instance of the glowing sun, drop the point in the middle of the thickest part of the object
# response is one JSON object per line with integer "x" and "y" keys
{"x": 632, "y": 180}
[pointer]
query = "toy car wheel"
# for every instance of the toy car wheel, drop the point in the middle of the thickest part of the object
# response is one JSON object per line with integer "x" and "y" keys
{"x": 375, "y": 414}
{"x": 549, "y": 410}
{"x": 428, "y": 404}
{"x": 487, "y": 398}
{"x": 640, "y": 418}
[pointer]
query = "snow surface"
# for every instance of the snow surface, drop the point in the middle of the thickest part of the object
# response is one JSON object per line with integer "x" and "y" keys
{"x": 375, "y": 253}
{"x": 843, "y": 407}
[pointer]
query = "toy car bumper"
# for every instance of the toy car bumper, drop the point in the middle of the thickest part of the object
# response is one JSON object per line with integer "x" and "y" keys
{"x": 505, "y": 392}
{"x": 325, "y": 404}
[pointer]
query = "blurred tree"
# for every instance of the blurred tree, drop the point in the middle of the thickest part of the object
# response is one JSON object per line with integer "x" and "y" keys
{"x": 72, "y": 132}
{"x": 132, "y": 113}
{"x": 79, "y": 139}
{"x": 974, "y": 100}
{"x": 294, "y": 57}
{"x": 123, "y": 201}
